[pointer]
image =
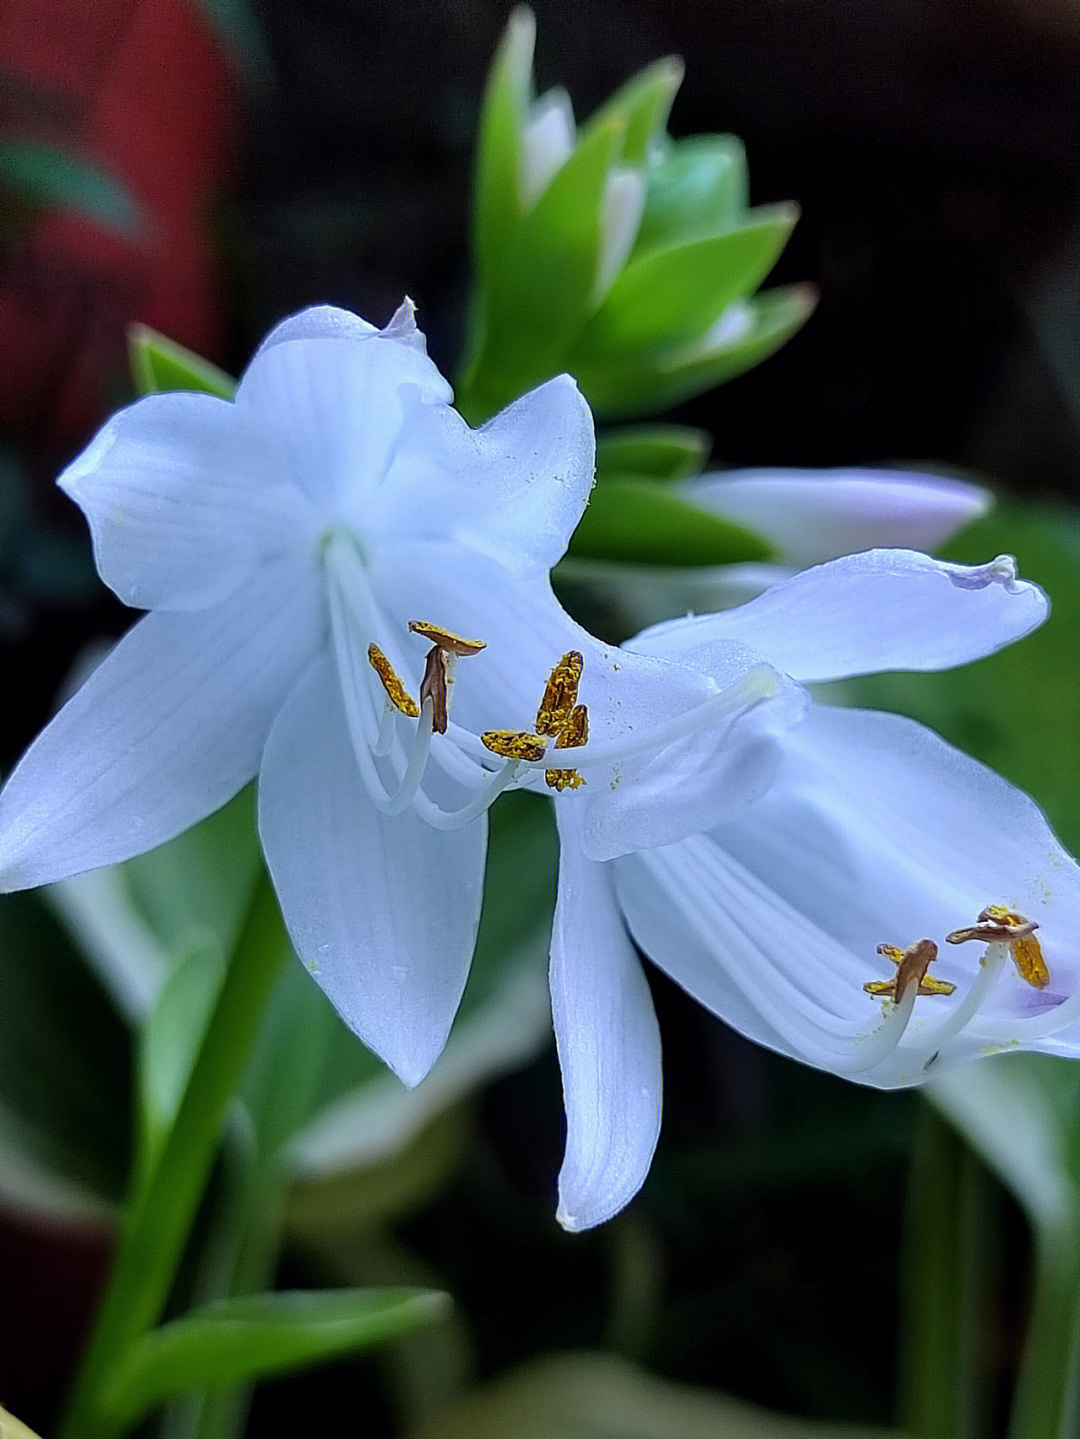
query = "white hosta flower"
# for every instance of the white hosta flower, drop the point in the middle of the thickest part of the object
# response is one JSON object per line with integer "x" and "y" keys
{"x": 853, "y": 838}
{"x": 319, "y": 557}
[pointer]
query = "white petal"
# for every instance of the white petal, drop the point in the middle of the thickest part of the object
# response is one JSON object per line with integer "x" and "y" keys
{"x": 609, "y": 1046}
{"x": 515, "y": 489}
{"x": 184, "y": 498}
{"x": 624, "y": 204}
{"x": 882, "y": 610}
{"x": 547, "y": 142}
{"x": 332, "y": 398}
{"x": 165, "y": 730}
{"x": 382, "y": 910}
{"x": 815, "y": 515}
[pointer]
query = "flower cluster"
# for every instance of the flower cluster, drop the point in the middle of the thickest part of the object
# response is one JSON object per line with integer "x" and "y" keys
{"x": 349, "y": 596}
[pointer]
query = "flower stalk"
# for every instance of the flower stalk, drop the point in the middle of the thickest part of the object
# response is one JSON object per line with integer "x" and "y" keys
{"x": 158, "y": 1222}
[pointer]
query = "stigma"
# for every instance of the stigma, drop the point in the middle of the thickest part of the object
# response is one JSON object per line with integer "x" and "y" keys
{"x": 999, "y": 925}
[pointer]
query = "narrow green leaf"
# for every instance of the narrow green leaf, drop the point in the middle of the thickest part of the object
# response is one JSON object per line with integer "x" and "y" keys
{"x": 642, "y": 522}
{"x": 700, "y": 185}
{"x": 659, "y": 452}
{"x": 50, "y": 179}
{"x": 667, "y": 296}
{"x": 641, "y": 385}
{"x": 158, "y": 363}
{"x": 641, "y": 107}
{"x": 498, "y": 200}
{"x": 252, "y": 1337}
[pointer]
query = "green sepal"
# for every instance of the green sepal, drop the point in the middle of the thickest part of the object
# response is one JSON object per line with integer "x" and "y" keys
{"x": 158, "y": 363}
{"x": 640, "y": 385}
{"x": 498, "y": 200}
{"x": 641, "y": 107}
{"x": 252, "y": 1337}
{"x": 644, "y": 522}
{"x": 700, "y": 185}
{"x": 659, "y": 452}
{"x": 673, "y": 295}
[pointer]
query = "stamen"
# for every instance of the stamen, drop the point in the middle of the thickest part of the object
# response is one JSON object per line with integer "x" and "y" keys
{"x": 398, "y": 695}
{"x": 1000, "y": 925}
{"x": 446, "y": 639}
{"x": 560, "y": 779}
{"x": 513, "y": 744}
{"x": 560, "y": 695}
{"x": 434, "y": 687}
{"x": 912, "y": 965}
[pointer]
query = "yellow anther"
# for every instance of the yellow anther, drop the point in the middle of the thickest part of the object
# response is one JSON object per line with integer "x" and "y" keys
{"x": 575, "y": 731}
{"x": 560, "y": 779}
{"x": 446, "y": 639}
{"x": 514, "y": 744}
{"x": 560, "y": 695}
{"x": 396, "y": 691}
{"x": 1001, "y": 925}
{"x": 912, "y": 965}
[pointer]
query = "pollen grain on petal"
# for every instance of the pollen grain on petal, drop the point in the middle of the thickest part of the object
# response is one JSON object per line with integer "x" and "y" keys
{"x": 560, "y": 779}
{"x": 997, "y": 924}
{"x": 560, "y": 694}
{"x": 911, "y": 966}
{"x": 514, "y": 744}
{"x": 391, "y": 683}
{"x": 446, "y": 639}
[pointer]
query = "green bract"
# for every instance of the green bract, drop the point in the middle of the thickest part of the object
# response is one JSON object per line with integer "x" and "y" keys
{"x": 614, "y": 252}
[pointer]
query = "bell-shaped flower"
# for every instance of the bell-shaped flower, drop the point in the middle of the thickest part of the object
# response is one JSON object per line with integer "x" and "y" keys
{"x": 349, "y": 596}
{"x": 857, "y": 895}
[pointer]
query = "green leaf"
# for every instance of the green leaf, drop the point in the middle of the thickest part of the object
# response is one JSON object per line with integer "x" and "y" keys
{"x": 670, "y": 295}
{"x": 498, "y": 199}
{"x": 700, "y": 185}
{"x": 643, "y": 522}
{"x": 158, "y": 363}
{"x": 599, "y": 1396}
{"x": 641, "y": 107}
{"x": 50, "y": 179}
{"x": 660, "y": 452}
{"x": 640, "y": 385}
{"x": 255, "y": 1336}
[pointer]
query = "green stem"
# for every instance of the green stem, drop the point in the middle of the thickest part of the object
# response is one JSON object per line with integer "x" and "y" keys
{"x": 943, "y": 1281}
{"x": 157, "y": 1226}
{"x": 1047, "y": 1400}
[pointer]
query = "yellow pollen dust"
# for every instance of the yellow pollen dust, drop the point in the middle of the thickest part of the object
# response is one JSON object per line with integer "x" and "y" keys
{"x": 575, "y": 731}
{"x": 513, "y": 744}
{"x": 1000, "y": 925}
{"x": 446, "y": 639}
{"x": 911, "y": 966}
{"x": 395, "y": 690}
